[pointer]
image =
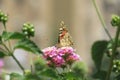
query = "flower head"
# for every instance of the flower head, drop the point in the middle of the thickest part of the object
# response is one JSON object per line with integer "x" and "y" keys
{"x": 115, "y": 20}
{"x": 59, "y": 57}
{"x": 72, "y": 58}
{"x": 28, "y": 29}
{"x": 65, "y": 51}
{"x": 3, "y": 17}
{"x": 58, "y": 61}
{"x": 49, "y": 52}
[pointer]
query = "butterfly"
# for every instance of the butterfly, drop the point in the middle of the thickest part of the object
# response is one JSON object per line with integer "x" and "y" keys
{"x": 64, "y": 38}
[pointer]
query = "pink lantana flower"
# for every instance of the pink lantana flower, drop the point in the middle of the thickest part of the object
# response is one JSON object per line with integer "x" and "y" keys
{"x": 65, "y": 51}
{"x": 58, "y": 61}
{"x": 59, "y": 57}
{"x": 72, "y": 58}
{"x": 50, "y": 52}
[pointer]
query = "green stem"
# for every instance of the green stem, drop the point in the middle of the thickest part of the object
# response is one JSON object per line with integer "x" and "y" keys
{"x": 31, "y": 60}
{"x": 114, "y": 48}
{"x": 57, "y": 72}
{"x": 10, "y": 53}
{"x": 18, "y": 63}
{"x": 5, "y": 52}
{"x": 6, "y": 47}
{"x": 4, "y": 24}
{"x": 69, "y": 68}
{"x": 101, "y": 19}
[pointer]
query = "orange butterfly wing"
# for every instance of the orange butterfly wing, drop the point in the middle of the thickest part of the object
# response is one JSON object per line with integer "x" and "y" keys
{"x": 64, "y": 37}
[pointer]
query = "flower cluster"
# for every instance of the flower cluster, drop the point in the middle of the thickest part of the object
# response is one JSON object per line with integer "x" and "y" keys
{"x": 115, "y": 20}
{"x": 28, "y": 29}
{"x": 116, "y": 66}
{"x": 60, "y": 57}
{"x": 3, "y": 17}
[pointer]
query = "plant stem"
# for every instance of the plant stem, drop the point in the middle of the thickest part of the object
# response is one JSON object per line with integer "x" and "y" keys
{"x": 18, "y": 63}
{"x": 57, "y": 72}
{"x": 11, "y": 52}
{"x": 4, "y": 24}
{"x": 101, "y": 19}
{"x": 31, "y": 60}
{"x": 114, "y": 48}
{"x": 6, "y": 47}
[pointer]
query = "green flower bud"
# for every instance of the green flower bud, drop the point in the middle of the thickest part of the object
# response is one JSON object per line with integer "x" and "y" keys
{"x": 115, "y": 20}
{"x": 27, "y": 72}
{"x": 1, "y": 13}
{"x": 3, "y": 17}
{"x": 28, "y": 29}
{"x": 116, "y": 66}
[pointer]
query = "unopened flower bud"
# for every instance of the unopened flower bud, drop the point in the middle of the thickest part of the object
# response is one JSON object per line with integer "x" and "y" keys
{"x": 116, "y": 66}
{"x": 115, "y": 20}
{"x": 3, "y": 17}
{"x": 27, "y": 72}
{"x": 28, "y": 29}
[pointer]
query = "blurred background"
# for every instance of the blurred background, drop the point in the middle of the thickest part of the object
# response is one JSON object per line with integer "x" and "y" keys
{"x": 79, "y": 16}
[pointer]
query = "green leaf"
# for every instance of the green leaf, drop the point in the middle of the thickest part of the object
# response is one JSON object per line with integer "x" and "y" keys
{"x": 98, "y": 50}
{"x": 100, "y": 75}
{"x": 28, "y": 45}
{"x": 79, "y": 68}
{"x": 49, "y": 73}
{"x": 12, "y": 35}
{"x": 32, "y": 77}
{"x": 16, "y": 76}
{"x": 2, "y": 54}
{"x": 72, "y": 76}
{"x": 40, "y": 64}
{"x": 117, "y": 77}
